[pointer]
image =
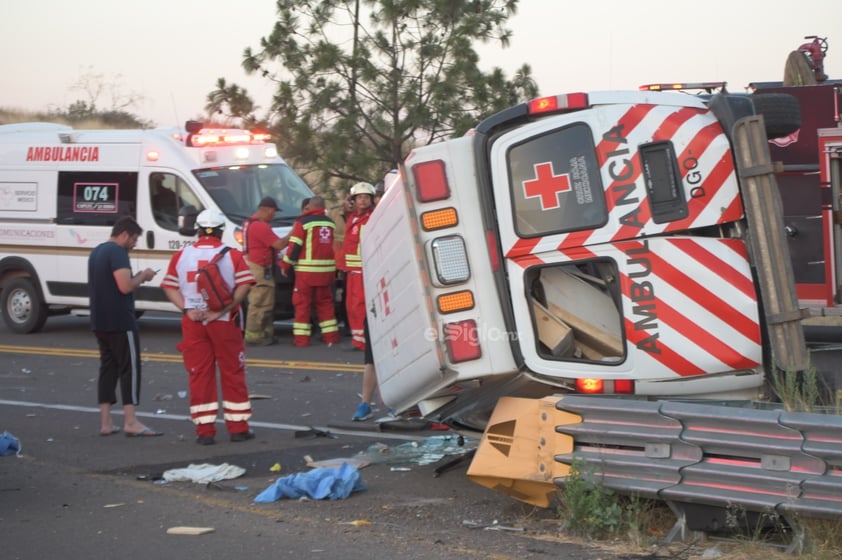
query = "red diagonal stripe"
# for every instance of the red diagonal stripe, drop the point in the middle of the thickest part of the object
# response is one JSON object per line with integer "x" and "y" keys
{"x": 665, "y": 131}
{"x": 628, "y": 122}
{"x": 527, "y": 260}
{"x": 704, "y": 297}
{"x": 522, "y": 247}
{"x": 674, "y": 121}
{"x": 681, "y": 323}
{"x": 666, "y": 356}
{"x": 575, "y": 239}
{"x": 723, "y": 269}
{"x": 710, "y": 343}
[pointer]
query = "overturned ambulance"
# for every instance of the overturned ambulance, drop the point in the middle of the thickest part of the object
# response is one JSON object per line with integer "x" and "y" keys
{"x": 634, "y": 248}
{"x": 606, "y": 242}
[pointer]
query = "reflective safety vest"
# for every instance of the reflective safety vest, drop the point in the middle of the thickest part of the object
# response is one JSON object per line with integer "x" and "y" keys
{"x": 351, "y": 258}
{"x": 311, "y": 244}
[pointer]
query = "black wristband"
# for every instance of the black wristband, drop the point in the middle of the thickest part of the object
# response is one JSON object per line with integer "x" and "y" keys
{"x": 184, "y": 311}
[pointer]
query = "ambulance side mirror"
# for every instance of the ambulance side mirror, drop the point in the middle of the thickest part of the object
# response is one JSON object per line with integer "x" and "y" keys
{"x": 187, "y": 220}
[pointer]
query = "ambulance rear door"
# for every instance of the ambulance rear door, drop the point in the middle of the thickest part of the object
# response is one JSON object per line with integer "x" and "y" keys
{"x": 597, "y": 211}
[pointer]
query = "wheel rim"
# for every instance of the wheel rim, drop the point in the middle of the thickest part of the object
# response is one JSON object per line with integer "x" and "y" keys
{"x": 19, "y": 306}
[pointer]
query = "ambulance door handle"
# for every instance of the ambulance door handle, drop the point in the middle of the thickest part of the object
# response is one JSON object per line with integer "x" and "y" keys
{"x": 150, "y": 239}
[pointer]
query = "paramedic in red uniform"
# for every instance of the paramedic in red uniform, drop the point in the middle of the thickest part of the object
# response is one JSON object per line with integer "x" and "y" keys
{"x": 260, "y": 245}
{"x": 350, "y": 261}
{"x": 310, "y": 251}
{"x": 212, "y": 338}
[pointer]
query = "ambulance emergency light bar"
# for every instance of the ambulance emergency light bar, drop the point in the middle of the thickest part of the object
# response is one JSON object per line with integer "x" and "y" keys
{"x": 200, "y": 137}
{"x": 677, "y": 86}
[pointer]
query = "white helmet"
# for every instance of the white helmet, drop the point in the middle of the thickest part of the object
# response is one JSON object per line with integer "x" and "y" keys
{"x": 210, "y": 219}
{"x": 362, "y": 188}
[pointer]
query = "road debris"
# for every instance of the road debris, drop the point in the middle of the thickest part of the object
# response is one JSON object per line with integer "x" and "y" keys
{"x": 204, "y": 473}
{"x": 318, "y": 484}
{"x": 190, "y": 530}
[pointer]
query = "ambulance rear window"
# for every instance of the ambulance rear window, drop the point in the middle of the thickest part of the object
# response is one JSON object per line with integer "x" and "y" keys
{"x": 555, "y": 183}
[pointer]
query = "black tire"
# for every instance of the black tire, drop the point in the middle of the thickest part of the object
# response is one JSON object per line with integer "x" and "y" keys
{"x": 24, "y": 311}
{"x": 781, "y": 113}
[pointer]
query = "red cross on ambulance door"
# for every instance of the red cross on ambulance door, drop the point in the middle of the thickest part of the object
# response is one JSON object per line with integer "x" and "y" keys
{"x": 546, "y": 185}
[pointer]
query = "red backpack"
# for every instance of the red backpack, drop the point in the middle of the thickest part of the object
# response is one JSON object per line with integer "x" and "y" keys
{"x": 212, "y": 286}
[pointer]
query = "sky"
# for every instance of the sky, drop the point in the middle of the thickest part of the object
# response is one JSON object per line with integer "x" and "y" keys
{"x": 170, "y": 53}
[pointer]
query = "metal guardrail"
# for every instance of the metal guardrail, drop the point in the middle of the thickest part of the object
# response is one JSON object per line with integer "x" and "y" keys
{"x": 765, "y": 461}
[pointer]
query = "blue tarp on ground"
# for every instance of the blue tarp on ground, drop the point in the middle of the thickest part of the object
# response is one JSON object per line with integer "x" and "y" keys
{"x": 9, "y": 444}
{"x": 318, "y": 484}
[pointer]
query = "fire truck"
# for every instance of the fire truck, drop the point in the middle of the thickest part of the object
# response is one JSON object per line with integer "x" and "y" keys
{"x": 651, "y": 245}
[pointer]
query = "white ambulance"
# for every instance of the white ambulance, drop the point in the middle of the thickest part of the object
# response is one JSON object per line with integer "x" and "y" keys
{"x": 61, "y": 190}
{"x": 605, "y": 242}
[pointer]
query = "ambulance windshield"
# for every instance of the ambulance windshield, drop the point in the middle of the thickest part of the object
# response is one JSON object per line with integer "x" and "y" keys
{"x": 237, "y": 190}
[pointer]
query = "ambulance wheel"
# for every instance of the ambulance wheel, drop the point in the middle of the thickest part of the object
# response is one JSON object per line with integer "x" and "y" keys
{"x": 23, "y": 310}
{"x": 781, "y": 113}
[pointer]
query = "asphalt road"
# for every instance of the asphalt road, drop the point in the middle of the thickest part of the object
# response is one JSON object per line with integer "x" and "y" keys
{"x": 75, "y": 494}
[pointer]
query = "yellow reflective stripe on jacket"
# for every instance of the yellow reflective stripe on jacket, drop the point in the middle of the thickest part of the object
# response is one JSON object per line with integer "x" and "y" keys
{"x": 315, "y": 268}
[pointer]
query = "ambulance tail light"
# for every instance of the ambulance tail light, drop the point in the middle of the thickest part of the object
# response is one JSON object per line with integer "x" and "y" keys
{"x": 624, "y": 386}
{"x": 456, "y": 301}
{"x": 450, "y": 259}
{"x": 590, "y": 386}
{"x": 431, "y": 181}
{"x": 241, "y": 153}
{"x": 270, "y": 151}
{"x": 462, "y": 341}
{"x": 439, "y": 219}
{"x": 152, "y": 155}
{"x": 558, "y": 103}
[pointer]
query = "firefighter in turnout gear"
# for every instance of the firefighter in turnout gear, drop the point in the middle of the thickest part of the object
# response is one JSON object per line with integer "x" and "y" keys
{"x": 310, "y": 251}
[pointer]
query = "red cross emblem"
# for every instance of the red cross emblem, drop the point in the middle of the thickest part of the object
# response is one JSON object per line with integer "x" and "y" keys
{"x": 384, "y": 296}
{"x": 546, "y": 185}
{"x": 191, "y": 276}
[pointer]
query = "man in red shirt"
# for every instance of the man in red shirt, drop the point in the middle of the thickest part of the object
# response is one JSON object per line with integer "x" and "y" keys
{"x": 350, "y": 260}
{"x": 260, "y": 246}
{"x": 310, "y": 251}
{"x": 212, "y": 338}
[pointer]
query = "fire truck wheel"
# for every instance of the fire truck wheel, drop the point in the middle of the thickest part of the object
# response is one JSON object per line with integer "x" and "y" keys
{"x": 23, "y": 310}
{"x": 781, "y": 113}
